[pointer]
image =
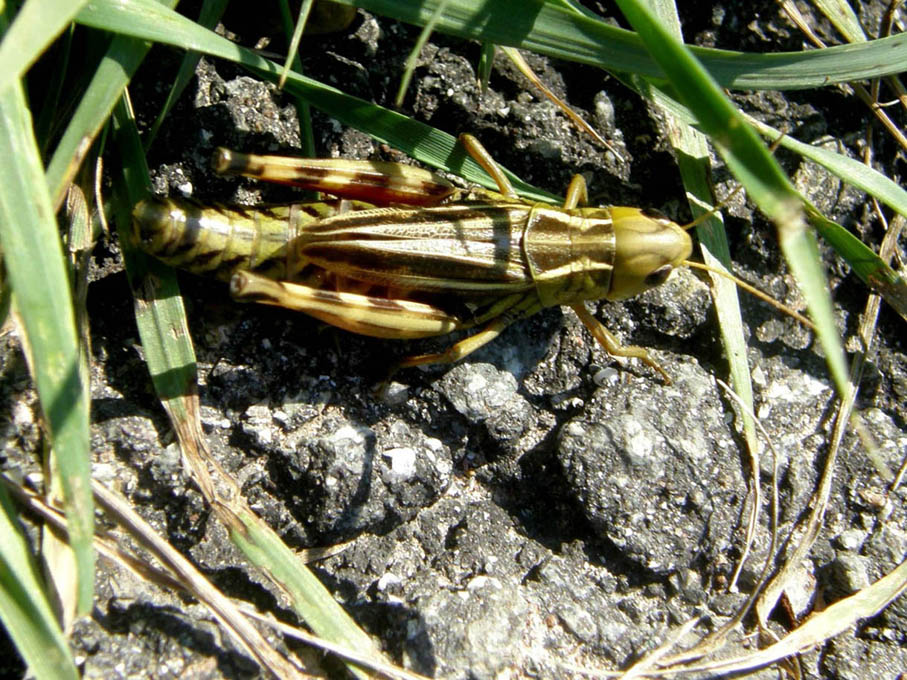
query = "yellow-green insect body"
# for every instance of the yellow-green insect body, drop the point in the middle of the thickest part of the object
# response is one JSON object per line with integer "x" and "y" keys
{"x": 478, "y": 258}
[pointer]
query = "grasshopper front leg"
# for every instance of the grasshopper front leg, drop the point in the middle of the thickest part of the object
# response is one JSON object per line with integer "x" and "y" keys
{"x": 612, "y": 345}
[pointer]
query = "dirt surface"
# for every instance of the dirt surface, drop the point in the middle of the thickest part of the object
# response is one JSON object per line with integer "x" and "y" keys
{"x": 537, "y": 507}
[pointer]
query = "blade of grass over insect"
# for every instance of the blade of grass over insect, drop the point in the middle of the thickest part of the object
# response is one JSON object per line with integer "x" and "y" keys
{"x": 691, "y": 152}
{"x": 25, "y": 611}
{"x": 122, "y": 59}
{"x": 558, "y": 30}
{"x": 170, "y": 357}
{"x": 148, "y": 20}
{"x": 40, "y": 287}
{"x": 208, "y": 16}
{"x": 35, "y": 27}
{"x": 756, "y": 169}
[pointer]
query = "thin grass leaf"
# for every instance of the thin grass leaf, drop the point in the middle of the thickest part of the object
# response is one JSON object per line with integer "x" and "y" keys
{"x": 296, "y": 36}
{"x": 192, "y": 580}
{"x": 147, "y": 20}
{"x": 693, "y": 162}
{"x": 24, "y": 610}
{"x": 40, "y": 287}
{"x": 303, "y": 110}
{"x": 557, "y": 30}
{"x": 756, "y": 169}
{"x": 842, "y": 16}
{"x": 823, "y": 626}
{"x": 866, "y": 264}
{"x": 413, "y": 58}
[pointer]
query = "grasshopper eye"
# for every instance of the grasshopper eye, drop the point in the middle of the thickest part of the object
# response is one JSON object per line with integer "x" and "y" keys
{"x": 659, "y": 276}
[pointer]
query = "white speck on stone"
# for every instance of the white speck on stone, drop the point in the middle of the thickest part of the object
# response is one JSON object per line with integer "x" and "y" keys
{"x": 348, "y": 433}
{"x": 388, "y": 580}
{"x": 851, "y": 539}
{"x": 639, "y": 444}
{"x": 606, "y": 376}
{"x": 403, "y": 462}
{"x": 185, "y": 188}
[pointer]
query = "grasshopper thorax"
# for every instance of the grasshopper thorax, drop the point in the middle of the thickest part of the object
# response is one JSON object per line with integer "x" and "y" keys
{"x": 646, "y": 251}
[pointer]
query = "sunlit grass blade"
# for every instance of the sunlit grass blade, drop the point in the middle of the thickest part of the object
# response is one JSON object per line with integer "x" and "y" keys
{"x": 36, "y": 25}
{"x": 756, "y": 169}
{"x": 413, "y": 58}
{"x": 866, "y": 264}
{"x": 822, "y": 626}
{"x": 304, "y": 8}
{"x": 558, "y": 30}
{"x": 41, "y": 292}
{"x": 25, "y": 611}
{"x": 693, "y": 162}
{"x": 303, "y": 110}
{"x": 841, "y": 14}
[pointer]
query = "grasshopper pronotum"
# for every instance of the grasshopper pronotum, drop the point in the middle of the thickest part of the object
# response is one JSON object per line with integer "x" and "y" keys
{"x": 438, "y": 260}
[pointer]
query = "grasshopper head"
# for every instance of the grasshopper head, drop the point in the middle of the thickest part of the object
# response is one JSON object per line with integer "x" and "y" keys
{"x": 647, "y": 249}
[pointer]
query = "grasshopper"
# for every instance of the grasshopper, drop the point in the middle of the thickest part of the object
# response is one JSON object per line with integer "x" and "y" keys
{"x": 434, "y": 260}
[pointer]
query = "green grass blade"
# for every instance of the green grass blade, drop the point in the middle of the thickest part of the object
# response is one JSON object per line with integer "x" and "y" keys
{"x": 866, "y": 264}
{"x": 303, "y": 110}
{"x": 295, "y": 37}
{"x": 35, "y": 27}
{"x": 557, "y": 30}
{"x": 24, "y": 609}
{"x": 756, "y": 169}
{"x": 693, "y": 162}
{"x": 841, "y": 14}
{"x": 40, "y": 287}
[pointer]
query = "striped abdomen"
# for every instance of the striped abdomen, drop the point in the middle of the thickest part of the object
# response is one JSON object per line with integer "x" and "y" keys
{"x": 218, "y": 241}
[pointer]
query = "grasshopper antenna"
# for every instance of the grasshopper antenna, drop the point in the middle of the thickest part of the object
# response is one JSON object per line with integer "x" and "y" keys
{"x": 752, "y": 290}
{"x": 712, "y": 211}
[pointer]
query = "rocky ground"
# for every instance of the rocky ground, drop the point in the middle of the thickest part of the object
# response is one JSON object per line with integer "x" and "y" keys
{"x": 537, "y": 507}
